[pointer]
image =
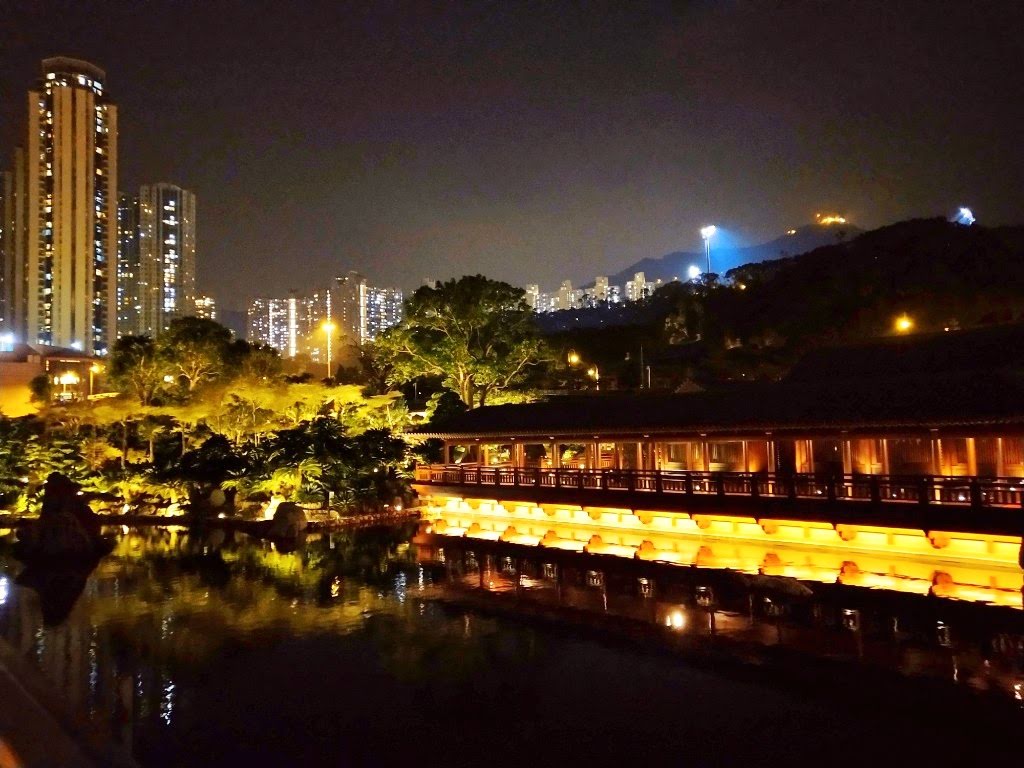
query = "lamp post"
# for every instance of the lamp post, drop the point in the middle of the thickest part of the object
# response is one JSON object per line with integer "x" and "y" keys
{"x": 595, "y": 373}
{"x": 329, "y": 330}
{"x": 93, "y": 370}
{"x": 706, "y": 234}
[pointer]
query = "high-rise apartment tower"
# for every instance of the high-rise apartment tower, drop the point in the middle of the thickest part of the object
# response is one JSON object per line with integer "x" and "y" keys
{"x": 70, "y": 259}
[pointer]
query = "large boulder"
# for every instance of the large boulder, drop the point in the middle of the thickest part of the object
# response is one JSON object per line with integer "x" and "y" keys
{"x": 61, "y": 535}
{"x": 289, "y": 521}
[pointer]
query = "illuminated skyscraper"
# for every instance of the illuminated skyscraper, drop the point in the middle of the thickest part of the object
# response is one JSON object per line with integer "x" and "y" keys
{"x": 167, "y": 255}
{"x": 383, "y": 310}
{"x": 362, "y": 311}
{"x": 272, "y": 322}
{"x": 8, "y": 227}
{"x": 129, "y": 269}
{"x": 71, "y": 209}
{"x": 206, "y": 306}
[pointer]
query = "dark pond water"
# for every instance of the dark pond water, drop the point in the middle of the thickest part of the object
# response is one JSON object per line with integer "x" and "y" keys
{"x": 363, "y": 648}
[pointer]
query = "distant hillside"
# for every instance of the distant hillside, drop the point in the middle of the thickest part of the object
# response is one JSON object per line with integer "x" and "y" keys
{"x": 672, "y": 265}
{"x": 937, "y": 276}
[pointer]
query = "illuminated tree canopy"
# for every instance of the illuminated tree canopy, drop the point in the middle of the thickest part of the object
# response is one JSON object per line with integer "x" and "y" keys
{"x": 476, "y": 334}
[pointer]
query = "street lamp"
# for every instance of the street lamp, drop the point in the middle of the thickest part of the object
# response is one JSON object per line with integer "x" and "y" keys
{"x": 594, "y": 373}
{"x": 329, "y": 327}
{"x": 573, "y": 358}
{"x": 706, "y": 234}
{"x": 93, "y": 370}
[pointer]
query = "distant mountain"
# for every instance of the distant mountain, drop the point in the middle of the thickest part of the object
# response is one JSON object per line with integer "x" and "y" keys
{"x": 802, "y": 240}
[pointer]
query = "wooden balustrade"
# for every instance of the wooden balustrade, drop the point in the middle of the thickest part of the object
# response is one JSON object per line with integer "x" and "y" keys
{"x": 923, "y": 490}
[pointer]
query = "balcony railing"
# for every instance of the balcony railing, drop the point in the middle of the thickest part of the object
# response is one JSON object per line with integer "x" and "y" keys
{"x": 924, "y": 490}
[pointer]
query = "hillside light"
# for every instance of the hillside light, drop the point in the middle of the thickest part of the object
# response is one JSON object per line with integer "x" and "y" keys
{"x": 706, "y": 234}
{"x": 595, "y": 374}
{"x": 965, "y": 216}
{"x": 573, "y": 357}
{"x": 904, "y": 324}
{"x": 329, "y": 327}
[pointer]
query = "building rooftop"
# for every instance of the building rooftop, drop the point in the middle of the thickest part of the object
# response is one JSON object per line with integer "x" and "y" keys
{"x": 20, "y": 353}
{"x": 70, "y": 66}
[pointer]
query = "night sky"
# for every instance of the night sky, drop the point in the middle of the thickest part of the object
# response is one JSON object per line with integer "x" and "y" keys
{"x": 536, "y": 141}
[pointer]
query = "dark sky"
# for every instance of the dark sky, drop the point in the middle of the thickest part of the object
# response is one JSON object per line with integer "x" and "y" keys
{"x": 536, "y": 141}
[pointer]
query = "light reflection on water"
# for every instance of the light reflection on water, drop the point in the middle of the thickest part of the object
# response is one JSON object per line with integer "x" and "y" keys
{"x": 206, "y": 649}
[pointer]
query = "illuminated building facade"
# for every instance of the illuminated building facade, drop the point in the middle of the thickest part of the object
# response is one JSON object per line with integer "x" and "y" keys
{"x": 71, "y": 209}
{"x": 8, "y": 252}
{"x": 272, "y": 322}
{"x": 363, "y": 311}
{"x": 167, "y": 255}
{"x": 358, "y": 311}
{"x": 206, "y": 307}
{"x": 129, "y": 269}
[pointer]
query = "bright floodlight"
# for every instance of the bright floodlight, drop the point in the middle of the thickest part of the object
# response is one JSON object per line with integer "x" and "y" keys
{"x": 965, "y": 216}
{"x": 693, "y": 272}
{"x": 708, "y": 232}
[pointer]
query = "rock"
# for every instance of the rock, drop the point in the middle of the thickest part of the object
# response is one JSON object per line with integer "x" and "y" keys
{"x": 67, "y": 530}
{"x": 62, "y": 535}
{"x": 289, "y": 521}
{"x": 217, "y": 498}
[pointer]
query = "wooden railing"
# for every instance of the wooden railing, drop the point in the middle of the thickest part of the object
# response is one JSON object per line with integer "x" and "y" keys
{"x": 925, "y": 490}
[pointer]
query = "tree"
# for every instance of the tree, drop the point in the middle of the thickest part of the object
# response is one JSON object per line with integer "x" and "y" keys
{"x": 137, "y": 368}
{"x": 260, "y": 363}
{"x": 197, "y": 349}
{"x": 41, "y": 389}
{"x": 477, "y": 334}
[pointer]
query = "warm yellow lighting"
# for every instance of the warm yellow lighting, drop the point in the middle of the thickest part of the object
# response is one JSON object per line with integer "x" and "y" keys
{"x": 826, "y": 219}
{"x": 573, "y": 357}
{"x": 790, "y": 231}
{"x": 329, "y": 327}
{"x": 95, "y": 368}
{"x": 68, "y": 378}
{"x": 675, "y": 620}
{"x": 904, "y": 324}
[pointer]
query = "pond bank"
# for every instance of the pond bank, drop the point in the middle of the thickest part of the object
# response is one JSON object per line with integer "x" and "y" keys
{"x": 256, "y": 527}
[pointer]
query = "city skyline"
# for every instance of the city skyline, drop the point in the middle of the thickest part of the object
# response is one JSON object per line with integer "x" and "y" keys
{"x": 540, "y": 140}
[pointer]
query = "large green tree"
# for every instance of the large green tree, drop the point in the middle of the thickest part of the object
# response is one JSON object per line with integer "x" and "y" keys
{"x": 477, "y": 334}
{"x": 137, "y": 368}
{"x": 198, "y": 350}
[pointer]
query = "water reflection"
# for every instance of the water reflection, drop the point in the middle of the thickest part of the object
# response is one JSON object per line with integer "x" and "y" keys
{"x": 753, "y": 612}
{"x": 364, "y": 648}
{"x": 116, "y": 639}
